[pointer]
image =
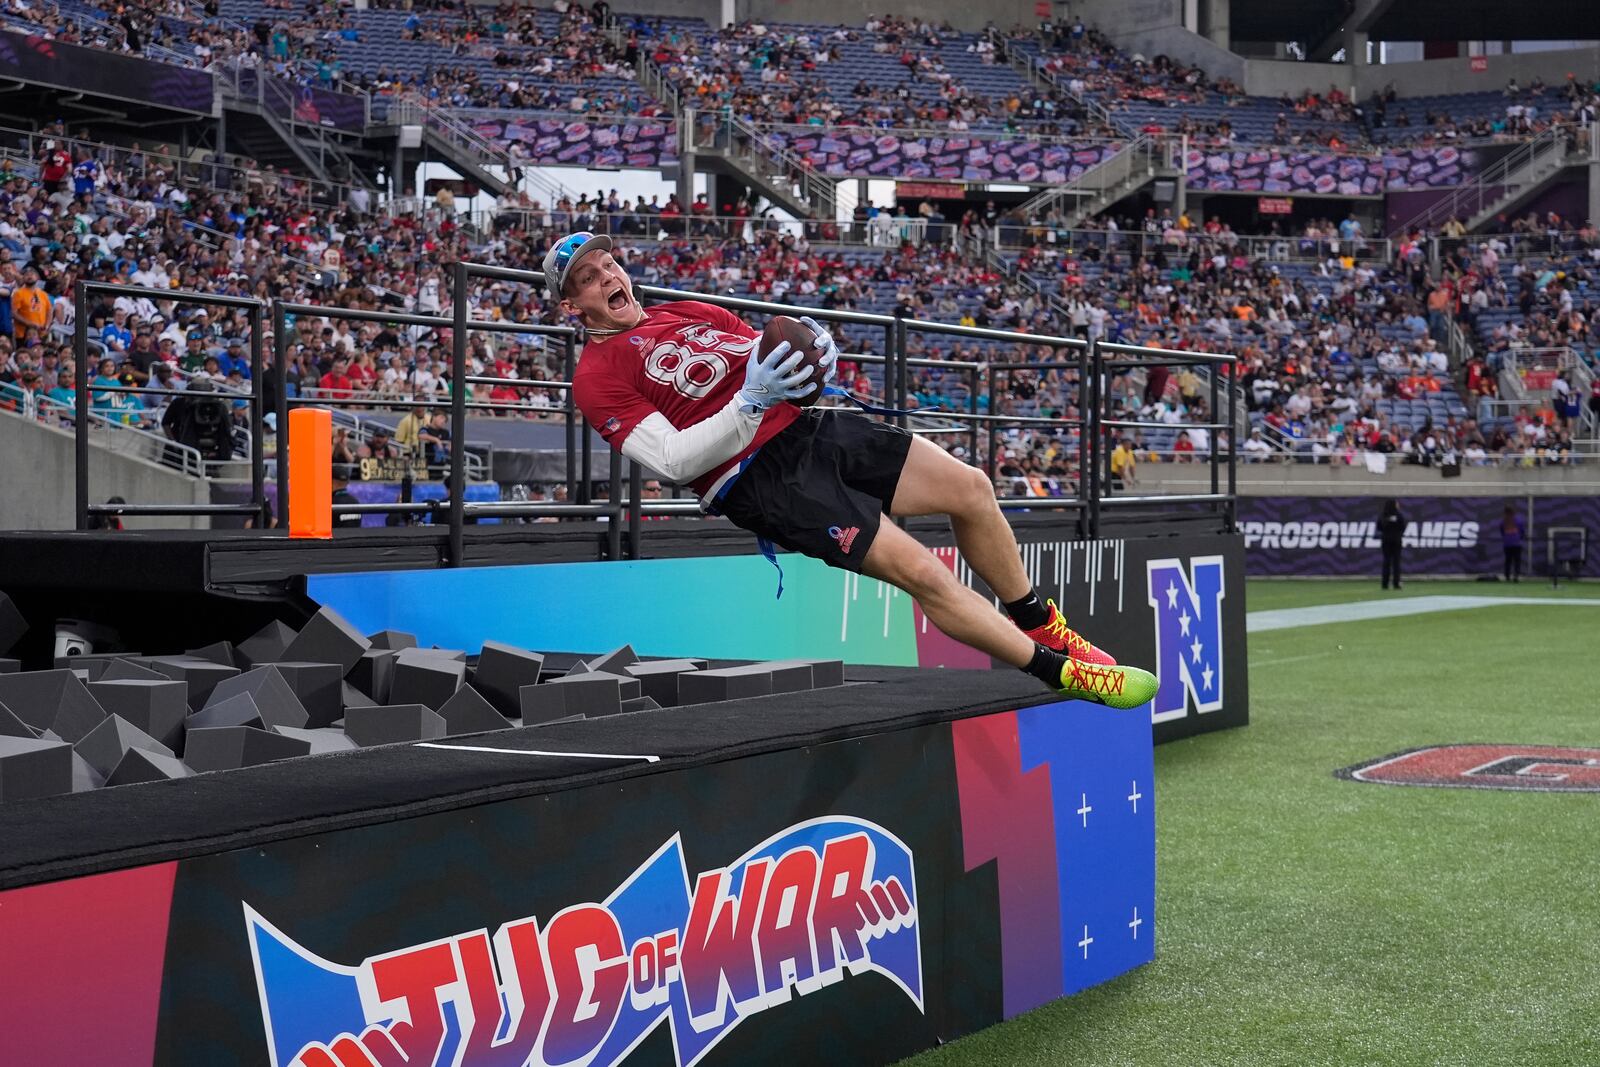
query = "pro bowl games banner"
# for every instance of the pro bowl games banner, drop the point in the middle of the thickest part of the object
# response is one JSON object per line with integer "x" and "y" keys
{"x": 847, "y": 903}
{"x": 869, "y": 153}
{"x": 1338, "y": 536}
{"x": 554, "y": 142}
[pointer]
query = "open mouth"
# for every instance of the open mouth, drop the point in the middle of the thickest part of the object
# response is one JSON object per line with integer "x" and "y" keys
{"x": 618, "y": 300}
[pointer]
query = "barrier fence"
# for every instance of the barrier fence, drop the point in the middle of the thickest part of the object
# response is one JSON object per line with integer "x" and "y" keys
{"x": 1093, "y": 362}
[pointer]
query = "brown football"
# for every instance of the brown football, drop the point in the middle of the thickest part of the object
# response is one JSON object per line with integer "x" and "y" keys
{"x": 801, "y": 339}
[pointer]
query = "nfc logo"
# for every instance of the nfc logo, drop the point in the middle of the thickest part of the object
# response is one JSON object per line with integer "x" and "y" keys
{"x": 1188, "y": 619}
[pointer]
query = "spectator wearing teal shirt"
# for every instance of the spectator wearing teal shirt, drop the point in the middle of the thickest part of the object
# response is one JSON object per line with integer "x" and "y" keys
{"x": 62, "y": 392}
{"x": 105, "y": 403}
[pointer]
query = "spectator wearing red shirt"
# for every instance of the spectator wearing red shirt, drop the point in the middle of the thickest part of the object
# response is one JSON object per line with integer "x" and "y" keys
{"x": 338, "y": 381}
{"x": 54, "y": 167}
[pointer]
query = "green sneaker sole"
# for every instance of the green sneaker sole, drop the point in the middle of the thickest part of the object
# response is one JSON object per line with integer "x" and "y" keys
{"x": 1115, "y": 687}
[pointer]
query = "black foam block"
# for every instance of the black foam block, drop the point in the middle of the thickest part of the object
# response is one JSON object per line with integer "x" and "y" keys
{"x": 448, "y": 653}
{"x": 628, "y": 687}
{"x": 85, "y": 777}
{"x": 157, "y": 708}
{"x": 317, "y": 686}
{"x": 825, "y": 673}
{"x": 614, "y": 661}
{"x": 220, "y": 652}
{"x": 141, "y": 766}
{"x": 640, "y": 704}
{"x": 328, "y": 638}
{"x": 351, "y": 697}
{"x": 12, "y": 726}
{"x": 325, "y": 739}
{"x": 393, "y": 724}
{"x": 501, "y": 673}
{"x": 272, "y": 695}
{"x": 658, "y": 679}
{"x": 544, "y": 704}
{"x": 35, "y": 696}
{"x": 592, "y": 695}
{"x": 237, "y": 710}
{"x": 787, "y": 677}
{"x": 200, "y": 675}
{"x": 33, "y": 767}
{"x": 373, "y": 673}
{"x": 105, "y": 745}
{"x": 727, "y": 683}
{"x": 423, "y": 678}
{"x": 468, "y": 712}
{"x": 12, "y": 624}
{"x": 223, "y": 748}
{"x": 9, "y": 666}
{"x": 393, "y": 640}
{"x": 266, "y": 645}
{"x": 122, "y": 670}
{"x": 77, "y": 713}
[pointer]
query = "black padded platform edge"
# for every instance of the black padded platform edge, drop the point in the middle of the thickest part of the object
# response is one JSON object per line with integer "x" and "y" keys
{"x": 86, "y": 833}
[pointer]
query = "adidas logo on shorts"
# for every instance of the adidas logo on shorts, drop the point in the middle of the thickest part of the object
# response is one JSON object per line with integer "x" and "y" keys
{"x": 846, "y": 537}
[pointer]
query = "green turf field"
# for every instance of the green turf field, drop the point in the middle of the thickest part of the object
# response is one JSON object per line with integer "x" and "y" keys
{"x": 1308, "y": 920}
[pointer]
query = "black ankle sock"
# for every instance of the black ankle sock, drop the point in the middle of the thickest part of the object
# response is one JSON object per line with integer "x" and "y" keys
{"x": 1046, "y": 665}
{"x": 1030, "y": 612}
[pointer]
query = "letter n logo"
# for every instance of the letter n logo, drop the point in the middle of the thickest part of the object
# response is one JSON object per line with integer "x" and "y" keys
{"x": 1188, "y": 610}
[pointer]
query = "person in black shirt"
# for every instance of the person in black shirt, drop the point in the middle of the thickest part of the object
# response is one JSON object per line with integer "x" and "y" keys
{"x": 1391, "y": 532}
{"x": 342, "y": 496}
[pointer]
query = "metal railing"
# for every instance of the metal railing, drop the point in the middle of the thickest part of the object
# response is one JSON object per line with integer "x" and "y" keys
{"x": 1087, "y": 424}
{"x": 1030, "y": 66}
{"x": 81, "y": 421}
{"x": 119, "y": 436}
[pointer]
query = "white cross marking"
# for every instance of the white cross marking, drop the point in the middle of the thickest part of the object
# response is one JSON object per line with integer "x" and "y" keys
{"x": 1086, "y": 942}
{"x": 1134, "y": 796}
{"x": 1137, "y": 922}
{"x": 1085, "y": 810}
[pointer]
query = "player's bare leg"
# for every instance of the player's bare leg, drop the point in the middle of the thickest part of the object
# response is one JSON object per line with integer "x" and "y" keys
{"x": 896, "y": 557}
{"x": 933, "y": 482}
{"x": 899, "y": 559}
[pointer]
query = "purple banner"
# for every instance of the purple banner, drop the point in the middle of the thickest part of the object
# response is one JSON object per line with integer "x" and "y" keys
{"x": 39, "y": 61}
{"x": 1445, "y": 535}
{"x": 1274, "y": 170}
{"x": 555, "y": 143}
{"x": 868, "y": 153}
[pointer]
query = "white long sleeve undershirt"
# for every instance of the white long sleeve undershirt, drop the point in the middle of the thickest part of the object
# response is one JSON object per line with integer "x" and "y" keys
{"x": 683, "y": 455}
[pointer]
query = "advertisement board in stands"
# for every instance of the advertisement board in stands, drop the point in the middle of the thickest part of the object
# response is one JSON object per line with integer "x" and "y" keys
{"x": 40, "y": 61}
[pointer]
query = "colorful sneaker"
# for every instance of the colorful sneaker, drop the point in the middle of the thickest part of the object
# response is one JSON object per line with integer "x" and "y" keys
{"x": 1115, "y": 687}
{"x": 1056, "y": 636}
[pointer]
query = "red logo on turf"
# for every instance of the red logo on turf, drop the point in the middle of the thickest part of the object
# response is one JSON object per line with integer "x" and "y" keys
{"x": 1536, "y": 768}
{"x": 846, "y": 537}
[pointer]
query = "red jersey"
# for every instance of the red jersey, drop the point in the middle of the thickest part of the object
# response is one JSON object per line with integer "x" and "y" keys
{"x": 685, "y": 360}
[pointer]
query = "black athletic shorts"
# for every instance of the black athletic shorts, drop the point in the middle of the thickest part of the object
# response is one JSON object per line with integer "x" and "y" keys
{"x": 820, "y": 486}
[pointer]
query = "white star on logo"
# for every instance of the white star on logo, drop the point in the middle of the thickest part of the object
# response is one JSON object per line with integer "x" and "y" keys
{"x": 1172, "y": 594}
{"x": 1184, "y": 621}
{"x": 1205, "y": 676}
{"x": 1195, "y": 649}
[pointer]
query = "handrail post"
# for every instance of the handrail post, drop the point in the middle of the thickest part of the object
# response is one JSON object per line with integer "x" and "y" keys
{"x": 989, "y": 462}
{"x": 1086, "y": 468}
{"x": 458, "y": 418}
{"x": 258, "y": 444}
{"x": 80, "y": 428}
{"x": 569, "y": 365}
{"x": 1096, "y": 445}
{"x": 1231, "y": 509}
{"x": 635, "y": 502}
{"x": 280, "y": 378}
{"x": 614, "y": 508}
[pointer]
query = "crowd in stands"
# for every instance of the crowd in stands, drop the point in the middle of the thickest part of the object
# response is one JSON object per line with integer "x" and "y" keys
{"x": 1342, "y": 351}
{"x": 1161, "y": 95}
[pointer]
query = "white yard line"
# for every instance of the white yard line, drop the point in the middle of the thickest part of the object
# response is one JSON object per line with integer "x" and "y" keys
{"x": 1362, "y": 610}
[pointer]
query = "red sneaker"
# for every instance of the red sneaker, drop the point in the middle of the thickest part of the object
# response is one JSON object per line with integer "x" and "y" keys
{"x": 1056, "y": 635}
